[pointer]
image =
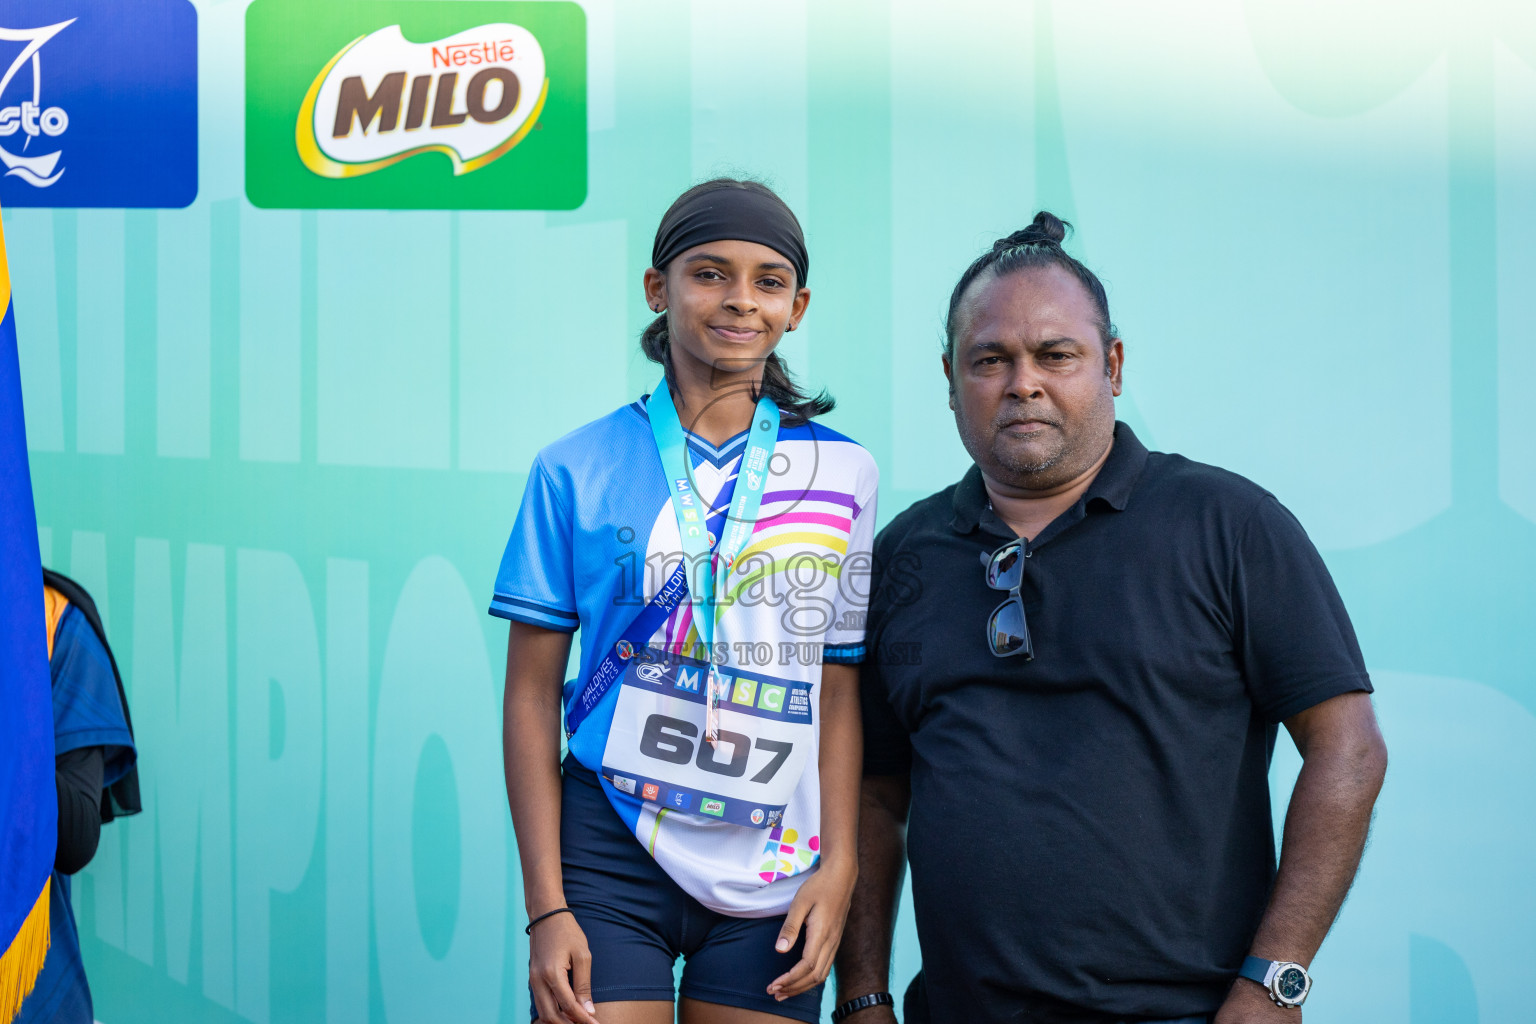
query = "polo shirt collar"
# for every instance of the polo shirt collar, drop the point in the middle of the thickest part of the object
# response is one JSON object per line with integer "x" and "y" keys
{"x": 1113, "y": 486}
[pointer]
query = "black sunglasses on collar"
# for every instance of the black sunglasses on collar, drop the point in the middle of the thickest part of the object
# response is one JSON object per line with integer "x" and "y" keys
{"x": 1007, "y": 632}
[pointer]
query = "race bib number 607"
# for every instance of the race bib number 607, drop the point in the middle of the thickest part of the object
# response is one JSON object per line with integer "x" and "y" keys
{"x": 656, "y": 748}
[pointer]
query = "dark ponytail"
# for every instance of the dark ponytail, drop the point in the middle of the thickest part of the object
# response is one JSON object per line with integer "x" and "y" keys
{"x": 1038, "y": 245}
{"x": 795, "y": 406}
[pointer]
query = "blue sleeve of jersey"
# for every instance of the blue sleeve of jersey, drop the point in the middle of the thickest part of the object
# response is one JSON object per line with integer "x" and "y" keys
{"x": 87, "y": 711}
{"x": 536, "y": 581}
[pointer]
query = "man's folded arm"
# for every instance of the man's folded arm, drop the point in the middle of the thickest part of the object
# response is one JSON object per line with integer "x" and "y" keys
{"x": 864, "y": 958}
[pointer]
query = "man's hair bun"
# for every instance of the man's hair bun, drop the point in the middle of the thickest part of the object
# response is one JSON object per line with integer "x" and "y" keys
{"x": 1036, "y": 246}
{"x": 1046, "y": 229}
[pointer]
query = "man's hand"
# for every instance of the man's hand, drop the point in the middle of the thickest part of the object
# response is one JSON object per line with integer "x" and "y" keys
{"x": 864, "y": 958}
{"x": 1247, "y": 1003}
{"x": 1343, "y": 763}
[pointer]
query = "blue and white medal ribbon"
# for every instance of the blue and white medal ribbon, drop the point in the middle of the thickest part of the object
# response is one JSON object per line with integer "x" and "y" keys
{"x": 707, "y": 575}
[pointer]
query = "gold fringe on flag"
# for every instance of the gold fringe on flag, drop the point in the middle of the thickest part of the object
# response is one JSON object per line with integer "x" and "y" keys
{"x": 20, "y": 964}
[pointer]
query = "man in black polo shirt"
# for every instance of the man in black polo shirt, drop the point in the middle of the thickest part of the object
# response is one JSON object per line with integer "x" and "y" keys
{"x": 1075, "y": 762}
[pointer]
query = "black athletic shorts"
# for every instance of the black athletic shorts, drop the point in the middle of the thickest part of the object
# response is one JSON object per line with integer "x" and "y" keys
{"x": 638, "y": 921}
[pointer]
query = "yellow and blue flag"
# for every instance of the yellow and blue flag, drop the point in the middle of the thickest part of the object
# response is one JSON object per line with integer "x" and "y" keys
{"x": 29, "y": 816}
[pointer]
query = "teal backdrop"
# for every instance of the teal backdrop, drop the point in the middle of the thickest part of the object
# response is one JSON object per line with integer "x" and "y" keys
{"x": 284, "y": 448}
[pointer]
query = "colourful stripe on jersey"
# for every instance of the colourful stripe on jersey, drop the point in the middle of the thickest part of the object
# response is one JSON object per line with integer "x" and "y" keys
{"x": 811, "y": 518}
{"x": 832, "y": 497}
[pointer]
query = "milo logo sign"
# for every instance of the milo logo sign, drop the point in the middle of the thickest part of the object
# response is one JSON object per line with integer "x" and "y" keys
{"x": 437, "y": 105}
{"x": 359, "y": 116}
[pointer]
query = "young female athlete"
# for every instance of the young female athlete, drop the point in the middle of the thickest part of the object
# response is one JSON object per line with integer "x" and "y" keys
{"x": 712, "y": 544}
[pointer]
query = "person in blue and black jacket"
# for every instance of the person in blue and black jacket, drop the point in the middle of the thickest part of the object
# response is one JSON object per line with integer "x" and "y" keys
{"x": 97, "y": 781}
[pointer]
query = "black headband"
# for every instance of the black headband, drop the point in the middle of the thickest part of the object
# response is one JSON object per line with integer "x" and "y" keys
{"x": 735, "y": 213}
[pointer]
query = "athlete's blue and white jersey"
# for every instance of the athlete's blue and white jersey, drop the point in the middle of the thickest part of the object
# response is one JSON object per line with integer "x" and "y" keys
{"x": 596, "y": 538}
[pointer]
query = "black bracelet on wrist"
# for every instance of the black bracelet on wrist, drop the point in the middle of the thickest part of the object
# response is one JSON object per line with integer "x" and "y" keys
{"x": 544, "y": 917}
{"x": 853, "y": 1006}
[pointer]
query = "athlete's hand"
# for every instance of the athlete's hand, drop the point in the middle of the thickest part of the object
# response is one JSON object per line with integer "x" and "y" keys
{"x": 560, "y": 971}
{"x": 821, "y": 906}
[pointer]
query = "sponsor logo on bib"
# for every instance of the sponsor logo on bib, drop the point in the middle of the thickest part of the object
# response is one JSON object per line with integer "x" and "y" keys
{"x": 624, "y": 784}
{"x": 714, "y": 807}
{"x": 757, "y": 815}
{"x": 651, "y": 792}
{"x": 746, "y": 691}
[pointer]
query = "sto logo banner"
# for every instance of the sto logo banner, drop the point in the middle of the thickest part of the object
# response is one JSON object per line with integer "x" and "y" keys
{"x": 401, "y": 105}
{"x": 98, "y": 103}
